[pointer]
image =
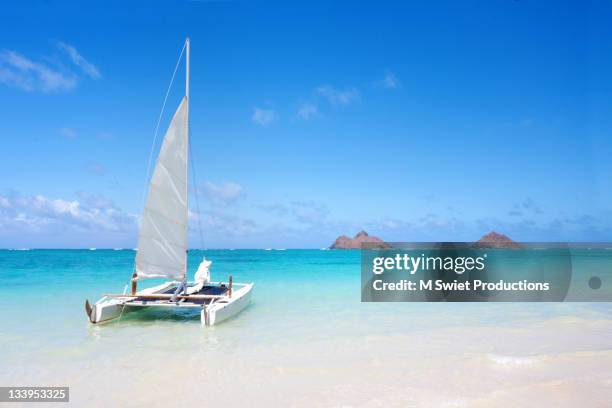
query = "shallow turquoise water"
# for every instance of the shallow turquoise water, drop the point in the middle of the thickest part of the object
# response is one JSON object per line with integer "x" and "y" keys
{"x": 312, "y": 282}
{"x": 306, "y": 316}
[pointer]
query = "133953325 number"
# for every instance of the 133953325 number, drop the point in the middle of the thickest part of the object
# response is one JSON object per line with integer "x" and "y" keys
{"x": 42, "y": 394}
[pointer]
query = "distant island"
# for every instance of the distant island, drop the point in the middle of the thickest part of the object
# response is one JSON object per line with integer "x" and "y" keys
{"x": 362, "y": 237}
{"x": 496, "y": 240}
{"x": 491, "y": 240}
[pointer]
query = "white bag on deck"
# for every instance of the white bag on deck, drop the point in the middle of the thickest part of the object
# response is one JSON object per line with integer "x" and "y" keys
{"x": 202, "y": 275}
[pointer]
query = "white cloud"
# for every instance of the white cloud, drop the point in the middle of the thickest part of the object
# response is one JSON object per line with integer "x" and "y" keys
{"x": 94, "y": 200}
{"x": 23, "y": 73}
{"x": 39, "y": 214}
{"x": 223, "y": 193}
{"x": 68, "y": 133}
{"x": 77, "y": 59}
{"x": 228, "y": 224}
{"x": 263, "y": 117}
{"x": 305, "y": 212}
{"x": 309, "y": 212}
{"x": 338, "y": 97}
{"x": 390, "y": 81}
{"x": 277, "y": 209}
{"x": 307, "y": 111}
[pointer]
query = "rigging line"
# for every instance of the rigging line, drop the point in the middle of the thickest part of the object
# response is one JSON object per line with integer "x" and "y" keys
{"x": 121, "y": 314}
{"x": 144, "y": 192}
{"x": 196, "y": 194}
{"x": 123, "y": 307}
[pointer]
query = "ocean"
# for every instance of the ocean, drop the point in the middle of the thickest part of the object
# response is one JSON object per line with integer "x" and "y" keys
{"x": 306, "y": 340}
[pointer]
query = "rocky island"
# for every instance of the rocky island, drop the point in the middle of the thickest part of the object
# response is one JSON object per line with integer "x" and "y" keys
{"x": 496, "y": 240}
{"x": 362, "y": 237}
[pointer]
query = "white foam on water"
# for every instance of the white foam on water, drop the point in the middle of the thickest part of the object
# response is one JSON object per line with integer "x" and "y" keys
{"x": 511, "y": 361}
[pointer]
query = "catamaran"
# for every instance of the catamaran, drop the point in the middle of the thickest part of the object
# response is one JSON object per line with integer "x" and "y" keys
{"x": 163, "y": 244}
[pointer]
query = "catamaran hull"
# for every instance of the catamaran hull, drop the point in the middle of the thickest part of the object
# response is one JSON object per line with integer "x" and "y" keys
{"x": 221, "y": 311}
{"x": 105, "y": 311}
{"x": 108, "y": 309}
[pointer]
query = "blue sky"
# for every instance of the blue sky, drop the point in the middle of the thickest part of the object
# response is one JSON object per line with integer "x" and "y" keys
{"x": 422, "y": 121}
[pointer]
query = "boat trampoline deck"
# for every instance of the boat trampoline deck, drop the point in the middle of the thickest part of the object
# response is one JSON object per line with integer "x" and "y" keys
{"x": 181, "y": 302}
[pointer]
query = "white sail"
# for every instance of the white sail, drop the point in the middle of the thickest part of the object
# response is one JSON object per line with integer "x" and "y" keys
{"x": 162, "y": 241}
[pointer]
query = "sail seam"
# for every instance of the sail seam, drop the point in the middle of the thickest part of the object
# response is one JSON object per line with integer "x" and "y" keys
{"x": 172, "y": 175}
{"x": 162, "y": 266}
{"x": 174, "y": 244}
{"x": 151, "y": 210}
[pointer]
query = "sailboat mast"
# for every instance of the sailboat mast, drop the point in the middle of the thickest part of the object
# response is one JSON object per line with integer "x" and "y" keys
{"x": 187, "y": 71}
{"x": 187, "y": 63}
